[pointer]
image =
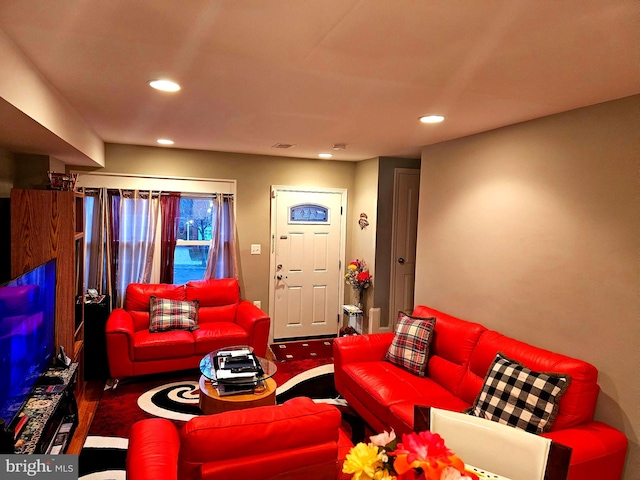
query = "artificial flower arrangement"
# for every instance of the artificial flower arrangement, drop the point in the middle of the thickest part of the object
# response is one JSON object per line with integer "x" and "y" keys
{"x": 358, "y": 275}
{"x": 420, "y": 456}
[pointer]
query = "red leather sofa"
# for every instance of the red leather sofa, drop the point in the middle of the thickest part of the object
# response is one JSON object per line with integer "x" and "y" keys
{"x": 384, "y": 395}
{"x": 223, "y": 318}
{"x": 296, "y": 440}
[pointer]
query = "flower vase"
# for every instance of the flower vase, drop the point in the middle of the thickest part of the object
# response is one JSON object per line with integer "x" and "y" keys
{"x": 360, "y": 300}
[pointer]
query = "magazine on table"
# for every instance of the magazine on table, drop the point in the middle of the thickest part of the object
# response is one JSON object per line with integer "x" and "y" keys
{"x": 241, "y": 365}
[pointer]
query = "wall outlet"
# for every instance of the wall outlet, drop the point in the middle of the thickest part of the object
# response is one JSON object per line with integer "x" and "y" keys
{"x": 255, "y": 249}
{"x": 257, "y": 303}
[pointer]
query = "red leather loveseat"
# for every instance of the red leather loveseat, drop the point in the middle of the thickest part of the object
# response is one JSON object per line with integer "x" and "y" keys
{"x": 223, "y": 320}
{"x": 296, "y": 440}
{"x": 460, "y": 355}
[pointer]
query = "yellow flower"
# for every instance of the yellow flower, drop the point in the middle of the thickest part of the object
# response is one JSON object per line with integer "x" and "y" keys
{"x": 383, "y": 475}
{"x": 352, "y": 267}
{"x": 363, "y": 461}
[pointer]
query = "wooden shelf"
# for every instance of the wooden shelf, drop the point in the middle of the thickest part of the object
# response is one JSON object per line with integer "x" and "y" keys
{"x": 45, "y": 225}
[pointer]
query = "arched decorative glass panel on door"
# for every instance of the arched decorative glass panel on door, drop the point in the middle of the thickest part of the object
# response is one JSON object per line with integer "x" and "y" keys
{"x": 308, "y": 213}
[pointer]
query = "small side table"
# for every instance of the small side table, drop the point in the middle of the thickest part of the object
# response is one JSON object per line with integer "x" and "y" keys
{"x": 211, "y": 402}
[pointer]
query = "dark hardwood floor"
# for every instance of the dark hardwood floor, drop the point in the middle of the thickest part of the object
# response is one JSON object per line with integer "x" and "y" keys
{"x": 88, "y": 399}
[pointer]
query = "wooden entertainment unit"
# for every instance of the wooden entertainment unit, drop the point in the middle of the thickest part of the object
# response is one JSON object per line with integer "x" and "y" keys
{"x": 48, "y": 224}
{"x": 50, "y": 414}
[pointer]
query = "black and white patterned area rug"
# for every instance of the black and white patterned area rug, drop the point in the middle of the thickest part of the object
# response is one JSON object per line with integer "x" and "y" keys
{"x": 103, "y": 457}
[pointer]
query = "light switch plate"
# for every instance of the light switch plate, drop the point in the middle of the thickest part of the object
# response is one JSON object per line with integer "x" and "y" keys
{"x": 255, "y": 249}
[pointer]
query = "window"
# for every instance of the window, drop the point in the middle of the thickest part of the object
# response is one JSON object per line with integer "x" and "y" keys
{"x": 308, "y": 213}
{"x": 194, "y": 239}
{"x": 201, "y": 225}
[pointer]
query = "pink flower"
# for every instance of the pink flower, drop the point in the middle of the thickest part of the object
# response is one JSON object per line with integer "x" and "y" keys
{"x": 450, "y": 473}
{"x": 423, "y": 446}
{"x": 383, "y": 439}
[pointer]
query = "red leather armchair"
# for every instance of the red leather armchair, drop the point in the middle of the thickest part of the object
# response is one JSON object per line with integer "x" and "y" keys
{"x": 223, "y": 318}
{"x": 298, "y": 439}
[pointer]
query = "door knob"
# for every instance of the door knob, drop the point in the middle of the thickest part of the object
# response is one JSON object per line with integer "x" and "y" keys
{"x": 401, "y": 261}
{"x": 279, "y": 277}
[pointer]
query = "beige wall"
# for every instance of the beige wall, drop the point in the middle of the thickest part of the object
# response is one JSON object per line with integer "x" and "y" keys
{"x": 26, "y": 90}
{"x": 533, "y": 230}
{"x": 364, "y": 199}
{"x": 255, "y": 175}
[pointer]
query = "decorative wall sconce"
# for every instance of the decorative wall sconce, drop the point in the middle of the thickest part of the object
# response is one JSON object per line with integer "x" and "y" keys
{"x": 363, "y": 221}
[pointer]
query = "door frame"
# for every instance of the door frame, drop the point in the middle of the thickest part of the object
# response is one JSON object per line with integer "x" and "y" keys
{"x": 394, "y": 254}
{"x": 272, "y": 250}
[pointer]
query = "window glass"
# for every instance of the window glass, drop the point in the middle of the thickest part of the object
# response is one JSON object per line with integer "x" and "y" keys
{"x": 190, "y": 263}
{"x": 195, "y": 219}
{"x": 194, "y": 238}
{"x": 308, "y": 213}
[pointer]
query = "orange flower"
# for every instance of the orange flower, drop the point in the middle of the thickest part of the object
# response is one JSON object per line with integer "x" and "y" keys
{"x": 427, "y": 451}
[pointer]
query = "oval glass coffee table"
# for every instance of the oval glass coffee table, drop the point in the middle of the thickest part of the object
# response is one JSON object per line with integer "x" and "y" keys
{"x": 249, "y": 385}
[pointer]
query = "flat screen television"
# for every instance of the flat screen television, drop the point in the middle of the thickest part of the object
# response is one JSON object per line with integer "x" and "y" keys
{"x": 27, "y": 335}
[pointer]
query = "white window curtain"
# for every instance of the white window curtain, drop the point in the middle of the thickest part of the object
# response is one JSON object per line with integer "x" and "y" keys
{"x": 222, "y": 261}
{"x": 139, "y": 212}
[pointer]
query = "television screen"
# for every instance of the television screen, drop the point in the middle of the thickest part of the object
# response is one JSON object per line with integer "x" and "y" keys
{"x": 27, "y": 331}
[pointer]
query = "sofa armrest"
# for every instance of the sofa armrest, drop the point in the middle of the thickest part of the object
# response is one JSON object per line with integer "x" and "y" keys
{"x": 357, "y": 348}
{"x": 154, "y": 445}
{"x": 119, "y": 336}
{"x": 256, "y": 323}
{"x": 120, "y": 321}
{"x": 361, "y": 348}
{"x": 598, "y": 450}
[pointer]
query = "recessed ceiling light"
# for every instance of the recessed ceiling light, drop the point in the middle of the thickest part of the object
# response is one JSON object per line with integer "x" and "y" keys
{"x": 165, "y": 85}
{"x": 165, "y": 141}
{"x": 325, "y": 155}
{"x": 432, "y": 119}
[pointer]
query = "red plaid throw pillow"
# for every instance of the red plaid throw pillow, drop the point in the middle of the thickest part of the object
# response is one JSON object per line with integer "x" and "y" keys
{"x": 165, "y": 314}
{"x": 410, "y": 346}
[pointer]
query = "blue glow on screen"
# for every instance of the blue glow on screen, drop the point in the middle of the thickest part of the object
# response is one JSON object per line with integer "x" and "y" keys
{"x": 27, "y": 329}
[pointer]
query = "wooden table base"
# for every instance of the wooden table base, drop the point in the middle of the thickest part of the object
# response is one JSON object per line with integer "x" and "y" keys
{"x": 211, "y": 402}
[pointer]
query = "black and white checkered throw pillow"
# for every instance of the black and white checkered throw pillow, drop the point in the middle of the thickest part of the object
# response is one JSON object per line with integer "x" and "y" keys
{"x": 515, "y": 395}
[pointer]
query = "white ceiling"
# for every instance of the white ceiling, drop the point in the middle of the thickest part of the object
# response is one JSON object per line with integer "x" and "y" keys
{"x": 317, "y": 72}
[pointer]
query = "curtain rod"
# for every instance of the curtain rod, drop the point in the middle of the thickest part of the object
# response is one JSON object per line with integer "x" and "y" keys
{"x": 95, "y": 191}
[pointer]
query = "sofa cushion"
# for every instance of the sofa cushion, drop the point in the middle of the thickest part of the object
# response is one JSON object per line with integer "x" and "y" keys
{"x": 298, "y": 431}
{"x": 409, "y": 348}
{"x": 453, "y": 343}
{"x": 166, "y": 314}
{"x": 214, "y": 292}
{"x": 215, "y": 335}
{"x": 402, "y": 413}
{"x": 577, "y": 405}
{"x": 515, "y": 395}
{"x": 218, "y": 299}
{"x": 139, "y": 294}
{"x": 171, "y": 344}
{"x": 379, "y": 385}
{"x": 138, "y": 299}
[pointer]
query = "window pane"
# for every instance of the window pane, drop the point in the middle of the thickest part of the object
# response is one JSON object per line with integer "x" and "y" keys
{"x": 308, "y": 213}
{"x": 190, "y": 263}
{"x": 195, "y": 219}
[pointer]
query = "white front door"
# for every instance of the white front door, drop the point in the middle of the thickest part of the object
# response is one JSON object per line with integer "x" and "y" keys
{"x": 307, "y": 239}
{"x": 403, "y": 249}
